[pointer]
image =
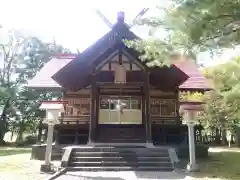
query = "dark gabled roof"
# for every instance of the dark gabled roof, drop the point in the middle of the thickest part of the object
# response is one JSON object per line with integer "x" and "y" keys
{"x": 99, "y": 50}
{"x": 75, "y": 74}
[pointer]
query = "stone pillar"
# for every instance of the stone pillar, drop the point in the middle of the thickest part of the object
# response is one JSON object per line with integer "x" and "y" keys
{"x": 192, "y": 166}
{"x": 53, "y": 108}
{"x": 47, "y": 167}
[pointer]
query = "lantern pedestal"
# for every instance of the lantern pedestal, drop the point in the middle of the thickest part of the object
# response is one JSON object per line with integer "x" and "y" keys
{"x": 47, "y": 166}
{"x": 190, "y": 110}
{"x": 192, "y": 166}
{"x": 53, "y": 109}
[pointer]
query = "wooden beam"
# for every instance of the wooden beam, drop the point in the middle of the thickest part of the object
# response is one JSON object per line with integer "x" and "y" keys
{"x": 143, "y": 105}
{"x": 109, "y": 66}
{"x": 97, "y": 106}
{"x": 130, "y": 67}
{"x": 120, "y": 60}
{"x": 76, "y": 136}
{"x": 134, "y": 60}
{"x": 178, "y": 106}
{"x": 92, "y": 123}
{"x": 147, "y": 108}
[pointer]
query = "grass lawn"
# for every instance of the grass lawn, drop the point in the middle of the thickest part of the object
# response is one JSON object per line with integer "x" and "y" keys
{"x": 224, "y": 165}
{"x": 7, "y": 151}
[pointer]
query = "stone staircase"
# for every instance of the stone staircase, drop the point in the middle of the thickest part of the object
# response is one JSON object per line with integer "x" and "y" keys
{"x": 119, "y": 159}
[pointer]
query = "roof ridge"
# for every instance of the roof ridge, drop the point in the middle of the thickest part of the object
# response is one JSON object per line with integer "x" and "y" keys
{"x": 64, "y": 56}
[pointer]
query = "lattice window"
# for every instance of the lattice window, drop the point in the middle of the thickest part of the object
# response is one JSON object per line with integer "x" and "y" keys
{"x": 130, "y": 103}
{"x": 78, "y": 107}
{"x": 163, "y": 107}
{"x": 168, "y": 107}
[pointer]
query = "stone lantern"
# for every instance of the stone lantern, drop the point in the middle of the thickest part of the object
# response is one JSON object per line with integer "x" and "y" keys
{"x": 53, "y": 110}
{"x": 189, "y": 110}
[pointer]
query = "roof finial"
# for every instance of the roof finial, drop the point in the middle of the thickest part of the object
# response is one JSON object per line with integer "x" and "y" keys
{"x": 120, "y": 17}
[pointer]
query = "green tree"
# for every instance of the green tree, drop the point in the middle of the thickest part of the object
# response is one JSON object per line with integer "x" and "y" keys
{"x": 222, "y": 103}
{"x": 207, "y": 24}
{"x": 191, "y": 26}
{"x": 22, "y": 58}
{"x": 34, "y": 55}
{"x": 8, "y": 90}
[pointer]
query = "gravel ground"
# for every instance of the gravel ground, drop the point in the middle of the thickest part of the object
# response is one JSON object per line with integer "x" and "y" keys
{"x": 20, "y": 167}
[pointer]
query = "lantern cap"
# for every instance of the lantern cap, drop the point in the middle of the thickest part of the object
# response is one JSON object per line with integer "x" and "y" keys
{"x": 191, "y": 102}
{"x": 53, "y": 102}
{"x": 191, "y": 105}
{"x": 52, "y": 105}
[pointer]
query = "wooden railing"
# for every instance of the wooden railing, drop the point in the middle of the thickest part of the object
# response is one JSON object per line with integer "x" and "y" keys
{"x": 165, "y": 120}
{"x": 67, "y": 119}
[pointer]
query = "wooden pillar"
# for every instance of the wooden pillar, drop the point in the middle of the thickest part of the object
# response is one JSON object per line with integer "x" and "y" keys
{"x": 143, "y": 106}
{"x": 147, "y": 109}
{"x": 92, "y": 122}
{"x": 76, "y": 136}
{"x": 178, "y": 106}
{"x": 97, "y": 108}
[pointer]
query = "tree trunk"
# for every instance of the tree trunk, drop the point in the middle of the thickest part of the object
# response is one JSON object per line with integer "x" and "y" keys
{"x": 12, "y": 133}
{"x": 218, "y": 137}
{"x": 224, "y": 136}
{"x": 3, "y": 122}
{"x": 3, "y": 129}
{"x": 39, "y": 136}
{"x": 20, "y": 132}
{"x": 237, "y": 137}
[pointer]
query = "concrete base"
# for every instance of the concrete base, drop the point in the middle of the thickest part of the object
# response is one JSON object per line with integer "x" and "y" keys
{"x": 149, "y": 145}
{"x": 193, "y": 167}
{"x": 47, "y": 168}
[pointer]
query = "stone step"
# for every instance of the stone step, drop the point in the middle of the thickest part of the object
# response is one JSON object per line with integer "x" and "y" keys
{"x": 123, "y": 154}
{"x": 119, "y": 149}
{"x": 92, "y": 159}
{"x": 120, "y": 159}
{"x": 121, "y": 163}
{"x": 125, "y": 168}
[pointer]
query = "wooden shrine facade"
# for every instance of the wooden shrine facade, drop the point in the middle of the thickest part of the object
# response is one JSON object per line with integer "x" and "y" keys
{"x": 163, "y": 106}
{"x": 113, "y": 97}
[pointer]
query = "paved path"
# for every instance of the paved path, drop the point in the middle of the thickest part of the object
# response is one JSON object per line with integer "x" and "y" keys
{"x": 123, "y": 175}
{"x": 129, "y": 175}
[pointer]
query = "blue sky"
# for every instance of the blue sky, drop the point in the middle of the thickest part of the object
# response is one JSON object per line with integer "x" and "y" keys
{"x": 74, "y": 23}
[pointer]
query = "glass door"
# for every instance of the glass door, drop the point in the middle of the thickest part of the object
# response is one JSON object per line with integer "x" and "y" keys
{"x": 120, "y": 110}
